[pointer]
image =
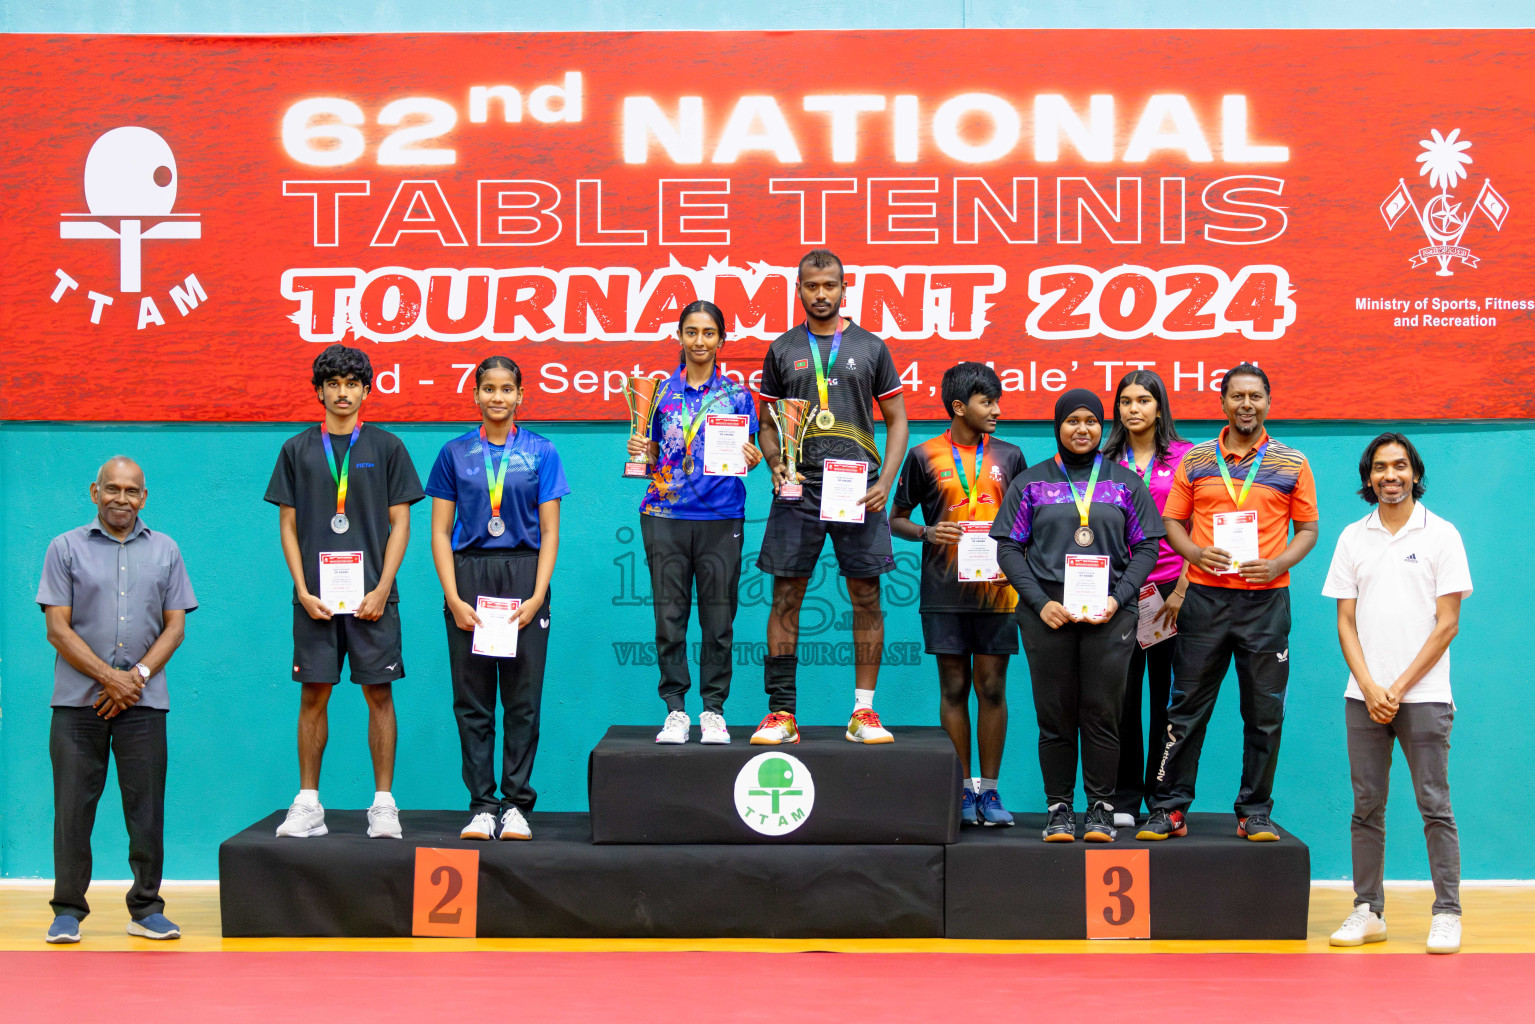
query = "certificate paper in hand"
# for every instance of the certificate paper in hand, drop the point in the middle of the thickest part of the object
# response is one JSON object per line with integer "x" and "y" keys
{"x": 724, "y": 437}
{"x": 341, "y": 581}
{"x": 842, "y": 484}
{"x": 496, "y": 635}
{"x": 1236, "y": 533}
{"x": 1087, "y": 586}
{"x": 977, "y": 554}
{"x": 1148, "y": 631}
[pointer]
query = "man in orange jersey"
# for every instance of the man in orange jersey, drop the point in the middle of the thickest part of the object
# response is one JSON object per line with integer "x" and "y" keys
{"x": 1230, "y": 511}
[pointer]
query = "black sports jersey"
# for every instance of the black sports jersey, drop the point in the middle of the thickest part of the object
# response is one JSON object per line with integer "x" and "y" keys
{"x": 863, "y": 374}
{"x": 381, "y": 475}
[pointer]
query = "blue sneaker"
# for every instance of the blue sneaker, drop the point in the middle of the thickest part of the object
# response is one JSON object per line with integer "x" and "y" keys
{"x": 969, "y": 814}
{"x": 992, "y": 811}
{"x": 155, "y": 926}
{"x": 64, "y": 929}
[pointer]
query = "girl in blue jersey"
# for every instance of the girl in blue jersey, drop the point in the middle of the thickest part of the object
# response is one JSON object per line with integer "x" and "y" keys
{"x": 692, "y": 520}
{"x": 496, "y": 494}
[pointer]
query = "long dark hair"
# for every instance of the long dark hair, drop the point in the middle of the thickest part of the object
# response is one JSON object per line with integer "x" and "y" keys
{"x": 1367, "y": 463}
{"x": 1165, "y": 429}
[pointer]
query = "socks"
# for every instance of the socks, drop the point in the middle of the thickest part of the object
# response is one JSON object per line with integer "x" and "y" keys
{"x": 383, "y": 799}
{"x": 308, "y": 796}
{"x": 863, "y": 700}
{"x": 970, "y": 785}
{"x": 986, "y": 784}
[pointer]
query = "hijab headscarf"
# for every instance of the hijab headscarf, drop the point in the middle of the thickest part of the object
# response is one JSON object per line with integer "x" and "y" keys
{"x": 1068, "y": 403}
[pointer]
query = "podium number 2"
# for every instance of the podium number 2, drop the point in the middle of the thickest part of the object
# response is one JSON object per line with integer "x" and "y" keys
{"x": 446, "y": 893}
{"x": 1118, "y": 894}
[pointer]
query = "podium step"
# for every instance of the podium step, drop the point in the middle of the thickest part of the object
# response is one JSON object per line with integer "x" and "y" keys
{"x": 562, "y": 885}
{"x": 1007, "y": 883}
{"x": 823, "y": 789}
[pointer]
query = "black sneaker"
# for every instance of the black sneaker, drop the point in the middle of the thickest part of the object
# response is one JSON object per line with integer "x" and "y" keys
{"x": 1100, "y": 825}
{"x": 1061, "y": 827}
{"x": 1163, "y": 825}
{"x": 1257, "y": 828}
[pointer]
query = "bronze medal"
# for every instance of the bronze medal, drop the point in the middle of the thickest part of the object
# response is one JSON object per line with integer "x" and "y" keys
{"x": 1084, "y": 536}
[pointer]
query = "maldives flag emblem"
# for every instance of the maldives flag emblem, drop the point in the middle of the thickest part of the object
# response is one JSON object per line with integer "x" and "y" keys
{"x": 802, "y": 364}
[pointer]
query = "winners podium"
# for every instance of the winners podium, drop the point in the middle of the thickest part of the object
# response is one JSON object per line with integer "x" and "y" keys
{"x": 820, "y": 839}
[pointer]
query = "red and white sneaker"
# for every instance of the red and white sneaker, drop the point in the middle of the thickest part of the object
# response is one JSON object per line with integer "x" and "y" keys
{"x": 778, "y": 727}
{"x": 864, "y": 727}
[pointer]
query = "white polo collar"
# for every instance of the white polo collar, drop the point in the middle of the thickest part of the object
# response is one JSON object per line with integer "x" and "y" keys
{"x": 1418, "y": 521}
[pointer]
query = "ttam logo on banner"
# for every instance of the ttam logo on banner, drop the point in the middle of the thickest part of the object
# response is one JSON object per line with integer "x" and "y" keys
{"x": 1440, "y": 218}
{"x": 130, "y": 190}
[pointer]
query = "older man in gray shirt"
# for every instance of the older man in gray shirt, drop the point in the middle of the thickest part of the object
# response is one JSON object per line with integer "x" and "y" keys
{"x": 116, "y": 597}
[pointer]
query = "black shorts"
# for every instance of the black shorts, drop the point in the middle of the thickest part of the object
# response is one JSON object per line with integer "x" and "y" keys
{"x": 371, "y": 648}
{"x": 795, "y": 535}
{"x": 970, "y": 633}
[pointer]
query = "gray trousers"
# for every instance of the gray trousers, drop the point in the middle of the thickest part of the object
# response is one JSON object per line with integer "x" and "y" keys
{"x": 1424, "y": 732}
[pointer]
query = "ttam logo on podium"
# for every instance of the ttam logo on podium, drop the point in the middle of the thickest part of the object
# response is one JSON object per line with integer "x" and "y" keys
{"x": 130, "y": 193}
{"x": 774, "y": 793}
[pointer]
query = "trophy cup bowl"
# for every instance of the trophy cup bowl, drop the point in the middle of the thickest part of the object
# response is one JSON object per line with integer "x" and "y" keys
{"x": 640, "y": 395}
{"x": 792, "y": 418}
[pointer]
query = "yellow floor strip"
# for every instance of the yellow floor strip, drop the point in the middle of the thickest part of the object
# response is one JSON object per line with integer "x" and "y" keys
{"x": 1497, "y": 920}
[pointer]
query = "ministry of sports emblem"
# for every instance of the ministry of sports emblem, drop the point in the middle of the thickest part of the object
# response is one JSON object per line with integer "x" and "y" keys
{"x": 1443, "y": 224}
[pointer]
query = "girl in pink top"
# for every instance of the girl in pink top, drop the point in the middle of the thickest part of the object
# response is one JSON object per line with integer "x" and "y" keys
{"x": 1146, "y": 440}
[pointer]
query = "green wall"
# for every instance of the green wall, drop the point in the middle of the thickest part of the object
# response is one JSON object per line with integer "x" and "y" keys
{"x": 234, "y": 706}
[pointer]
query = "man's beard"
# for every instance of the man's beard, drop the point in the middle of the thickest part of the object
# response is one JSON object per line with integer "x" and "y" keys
{"x": 1400, "y": 497}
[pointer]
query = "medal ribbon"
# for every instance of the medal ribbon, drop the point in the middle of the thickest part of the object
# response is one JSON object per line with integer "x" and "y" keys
{"x": 495, "y": 478}
{"x": 1252, "y": 474}
{"x": 972, "y": 489}
{"x": 346, "y": 465}
{"x": 1151, "y": 464}
{"x": 820, "y": 373}
{"x": 1085, "y": 500}
{"x": 690, "y": 427}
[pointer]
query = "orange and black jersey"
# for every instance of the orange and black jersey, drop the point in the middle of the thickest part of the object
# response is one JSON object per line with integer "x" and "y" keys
{"x": 930, "y": 481}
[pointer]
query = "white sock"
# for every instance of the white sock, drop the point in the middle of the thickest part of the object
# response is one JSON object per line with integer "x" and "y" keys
{"x": 1055, "y": 806}
{"x": 383, "y": 799}
{"x": 863, "y": 700}
{"x": 986, "y": 784}
{"x": 970, "y": 784}
{"x": 308, "y": 796}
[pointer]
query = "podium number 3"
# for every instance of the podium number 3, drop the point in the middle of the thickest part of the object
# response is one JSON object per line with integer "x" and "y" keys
{"x": 1118, "y": 894}
{"x": 447, "y": 890}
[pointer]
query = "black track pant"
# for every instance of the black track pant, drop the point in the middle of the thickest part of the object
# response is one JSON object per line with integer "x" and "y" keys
{"x": 682, "y": 554}
{"x": 80, "y": 743}
{"x": 1078, "y": 672}
{"x": 1137, "y": 760}
{"x": 520, "y": 680}
{"x": 1215, "y": 627}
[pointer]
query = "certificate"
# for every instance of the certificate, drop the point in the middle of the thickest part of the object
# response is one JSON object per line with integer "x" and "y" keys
{"x": 1236, "y": 533}
{"x": 1148, "y": 631}
{"x": 977, "y": 555}
{"x": 724, "y": 437}
{"x": 341, "y": 581}
{"x": 496, "y": 635}
{"x": 1087, "y": 586}
{"x": 842, "y": 484}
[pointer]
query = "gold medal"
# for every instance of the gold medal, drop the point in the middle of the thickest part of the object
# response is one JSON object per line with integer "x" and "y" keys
{"x": 687, "y": 463}
{"x": 824, "y": 419}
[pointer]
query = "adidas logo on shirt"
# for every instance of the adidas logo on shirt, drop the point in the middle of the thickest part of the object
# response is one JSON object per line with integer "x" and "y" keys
{"x": 1411, "y": 559}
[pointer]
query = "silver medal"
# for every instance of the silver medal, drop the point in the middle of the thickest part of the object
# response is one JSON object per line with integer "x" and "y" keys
{"x": 1084, "y": 536}
{"x": 496, "y": 527}
{"x": 338, "y": 523}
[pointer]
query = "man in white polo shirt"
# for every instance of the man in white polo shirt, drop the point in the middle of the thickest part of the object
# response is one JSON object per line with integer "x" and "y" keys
{"x": 1399, "y": 575}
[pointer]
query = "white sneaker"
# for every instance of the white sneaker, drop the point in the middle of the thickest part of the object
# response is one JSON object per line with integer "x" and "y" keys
{"x": 1360, "y": 927}
{"x": 712, "y": 725}
{"x": 514, "y": 825}
{"x": 778, "y": 727}
{"x": 481, "y": 826}
{"x": 383, "y": 822}
{"x": 864, "y": 727}
{"x": 303, "y": 820}
{"x": 1444, "y": 934}
{"x": 1123, "y": 820}
{"x": 675, "y": 729}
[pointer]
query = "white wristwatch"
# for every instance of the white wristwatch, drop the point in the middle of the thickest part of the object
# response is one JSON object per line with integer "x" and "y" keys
{"x": 142, "y": 670}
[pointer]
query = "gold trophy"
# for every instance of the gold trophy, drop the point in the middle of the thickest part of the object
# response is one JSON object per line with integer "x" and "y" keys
{"x": 792, "y": 418}
{"x": 640, "y": 396}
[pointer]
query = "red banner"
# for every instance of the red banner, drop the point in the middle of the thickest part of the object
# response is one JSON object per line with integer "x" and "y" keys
{"x": 189, "y": 220}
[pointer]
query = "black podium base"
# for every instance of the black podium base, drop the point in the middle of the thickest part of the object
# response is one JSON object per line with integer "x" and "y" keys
{"x": 561, "y": 885}
{"x": 906, "y": 792}
{"x": 1007, "y": 883}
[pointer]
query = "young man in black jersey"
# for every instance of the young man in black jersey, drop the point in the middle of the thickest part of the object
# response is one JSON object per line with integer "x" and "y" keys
{"x": 842, "y": 370}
